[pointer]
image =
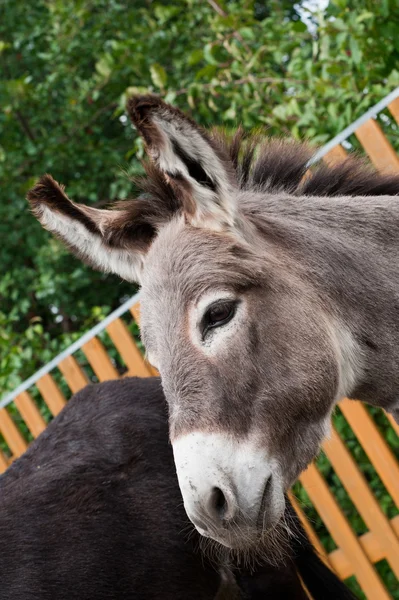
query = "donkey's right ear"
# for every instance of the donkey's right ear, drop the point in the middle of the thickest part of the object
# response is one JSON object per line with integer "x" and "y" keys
{"x": 197, "y": 167}
{"x": 108, "y": 240}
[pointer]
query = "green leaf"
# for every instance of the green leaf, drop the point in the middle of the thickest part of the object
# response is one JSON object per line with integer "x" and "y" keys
{"x": 158, "y": 75}
{"x": 135, "y": 90}
{"x": 364, "y": 16}
{"x": 206, "y": 72}
{"x": 195, "y": 57}
{"x": 230, "y": 114}
{"x": 210, "y": 51}
{"x": 103, "y": 67}
{"x": 393, "y": 78}
{"x": 3, "y": 46}
{"x": 164, "y": 13}
{"x": 299, "y": 26}
{"x": 248, "y": 33}
{"x": 340, "y": 24}
{"x": 325, "y": 47}
{"x": 356, "y": 52}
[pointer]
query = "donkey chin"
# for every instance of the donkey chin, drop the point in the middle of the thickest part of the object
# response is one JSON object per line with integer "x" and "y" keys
{"x": 232, "y": 492}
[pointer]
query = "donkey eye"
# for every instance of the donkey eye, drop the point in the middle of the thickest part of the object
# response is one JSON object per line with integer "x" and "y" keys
{"x": 218, "y": 314}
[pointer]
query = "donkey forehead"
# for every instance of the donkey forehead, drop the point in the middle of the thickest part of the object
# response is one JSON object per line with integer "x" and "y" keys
{"x": 184, "y": 265}
{"x": 185, "y": 262}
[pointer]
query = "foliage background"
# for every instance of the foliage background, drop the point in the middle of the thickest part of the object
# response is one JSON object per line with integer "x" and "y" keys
{"x": 66, "y": 68}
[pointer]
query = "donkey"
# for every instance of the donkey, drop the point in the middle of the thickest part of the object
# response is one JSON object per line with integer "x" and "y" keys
{"x": 93, "y": 510}
{"x": 266, "y": 297}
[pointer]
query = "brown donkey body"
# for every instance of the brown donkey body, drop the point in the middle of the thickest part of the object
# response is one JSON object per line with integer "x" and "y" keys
{"x": 266, "y": 297}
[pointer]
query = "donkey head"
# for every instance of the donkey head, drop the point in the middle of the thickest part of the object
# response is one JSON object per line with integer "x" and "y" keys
{"x": 250, "y": 359}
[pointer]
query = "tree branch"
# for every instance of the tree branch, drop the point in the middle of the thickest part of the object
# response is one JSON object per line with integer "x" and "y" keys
{"x": 23, "y": 121}
{"x": 216, "y": 6}
{"x": 222, "y": 13}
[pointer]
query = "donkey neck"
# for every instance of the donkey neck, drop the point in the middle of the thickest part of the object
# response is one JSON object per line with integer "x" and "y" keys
{"x": 347, "y": 249}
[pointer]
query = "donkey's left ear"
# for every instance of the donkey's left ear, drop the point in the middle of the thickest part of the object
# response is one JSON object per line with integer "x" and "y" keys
{"x": 108, "y": 240}
{"x": 200, "y": 172}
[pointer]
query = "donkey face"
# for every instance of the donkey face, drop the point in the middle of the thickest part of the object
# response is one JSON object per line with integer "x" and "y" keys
{"x": 250, "y": 371}
{"x": 250, "y": 359}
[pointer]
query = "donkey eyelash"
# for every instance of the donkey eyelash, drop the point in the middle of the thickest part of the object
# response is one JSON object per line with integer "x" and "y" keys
{"x": 207, "y": 323}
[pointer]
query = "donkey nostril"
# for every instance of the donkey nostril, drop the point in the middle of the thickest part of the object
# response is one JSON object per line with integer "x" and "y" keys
{"x": 220, "y": 500}
{"x": 218, "y": 505}
{"x": 265, "y": 503}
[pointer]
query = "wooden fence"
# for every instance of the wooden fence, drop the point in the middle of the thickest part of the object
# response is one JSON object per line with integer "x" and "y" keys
{"x": 355, "y": 555}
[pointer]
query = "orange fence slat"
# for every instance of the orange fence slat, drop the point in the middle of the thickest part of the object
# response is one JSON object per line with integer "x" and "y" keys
{"x": 10, "y": 433}
{"x": 394, "y": 109}
{"x": 395, "y": 524}
{"x": 393, "y": 423}
{"x": 342, "y": 533}
{"x": 309, "y": 529}
{"x": 308, "y": 594}
{"x": 371, "y": 546}
{"x": 374, "y": 445}
{"x": 135, "y": 310}
{"x": 123, "y": 341}
{"x": 360, "y": 493}
{"x": 99, "y": 360}
{"x": 380, "y": 151}
{"x": 335, "y": 156}
{"x": 30, "y": 413}
{"x": 152, "y": 369}
{"x": 340, "y": 563}
{"x": 3, "y": 463}
{"x": 51, "y": 394}
{"x": 73, "y": 374}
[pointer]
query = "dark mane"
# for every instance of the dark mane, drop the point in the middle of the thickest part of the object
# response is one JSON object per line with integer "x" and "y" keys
{"x": 264, "y": 165}
{"x": 275, "y": 165}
